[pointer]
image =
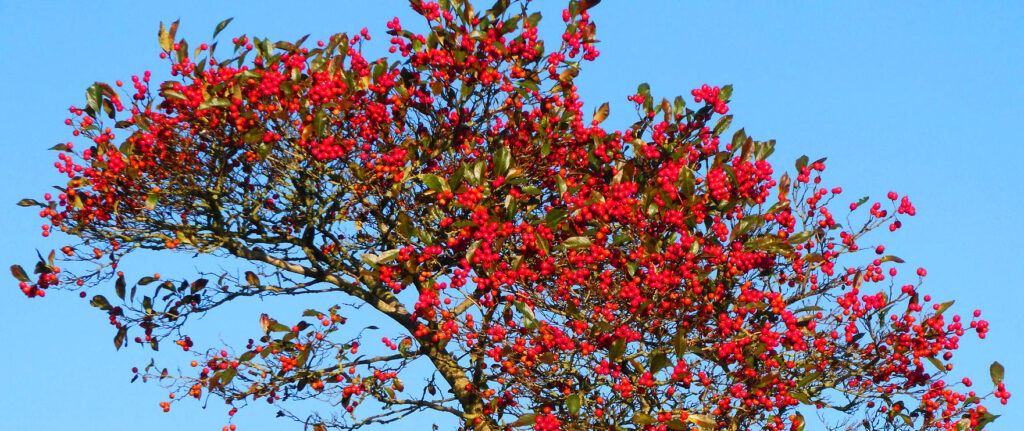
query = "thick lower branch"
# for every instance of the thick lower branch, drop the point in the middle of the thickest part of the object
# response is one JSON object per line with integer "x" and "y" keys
{"x": 455, "y": 375}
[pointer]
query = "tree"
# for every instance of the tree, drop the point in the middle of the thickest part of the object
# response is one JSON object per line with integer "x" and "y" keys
{"x": 549, "y": 273}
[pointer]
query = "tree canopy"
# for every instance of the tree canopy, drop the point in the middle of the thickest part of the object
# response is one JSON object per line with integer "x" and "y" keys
{"x": 540, "y": 270}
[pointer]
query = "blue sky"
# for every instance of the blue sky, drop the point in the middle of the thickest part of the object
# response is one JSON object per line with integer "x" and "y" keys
{"x": 923, "y": 99}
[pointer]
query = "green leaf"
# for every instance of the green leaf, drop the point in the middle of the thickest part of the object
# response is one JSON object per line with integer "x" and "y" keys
{"x": 253, "y": 135}
{"x": 985, "y": 419}
{"x": 502, "y": 159}
{"x": 527, "y": 419}
{"x": 266, "y": 48}
{"x": 746, "y": 224}
{"x": 658, "y": 361}
{"x": 122, "y": 333}
{"x": 526, "y": 83}
{"x": 164, "y": 38}
{"x": 644, "y": 89}
{"x": 554, "y": 217}
{"x": 527, "y": 313}
{"x": 688, "y": 182}
{"x": 388, "y": 256}
{"x": 275, "y": 326}
{"x": 678, "y": 106}
{"x": 227, "y": 375}
{"x": 801, "y": 237}
{"x": 435, "y": 183}
{"x": 632, "y": 266}
{"x": 643, "y": 419}
{"x": 560, "y": 182}
{"x": 405, "y": 226}
{"x": 891, "y": 259}
{"x": 167, "y": 37}
{"x": 109, "y": 107}
{"x": 94, "y": 97}
{"x": 764, "y": 149}
{"x": 738, "y": 139}
{"x": 30, "y": 202}
{"x": 725, "y": 93}
{"x": 100, "y": 302}
{"x": 996, "y": 372}
{"x": 809, "y": 308}
{"x": 800, "y": 396}
{"x": 616, "y": 350}
{"x": 215, "y": 102}
{"x": 198, "y": 285}
{"x": 146, "y": 280}
{"x": 220, "y": 27}
{"x": 457, "y": 176}
{"x": 403, "y": 348}
{"x": 511, "y": 24}
{"x": 722, "y": 124}
{"x": 680, "y": 344}
{"x": 962, "y": 424}
{"x": 60, "y": 147}
{"x": 119, "y": 286}
{"x": 573, "y": 404}
{"x": 703, "y": 421}
{"x": 937, "y": 363}
{"x": 466, "y": 90}
{"x": 151, "y": 200}
{"x": 511, "y": 205}
{"x": 577, "y": 242}
{"x": 808, "y": 378}
{"x": 19, "y": 273}
{"x": 477, "y": 174}
{"x": 533, "y": 19}
{"x": 801, "y": 162}
{"x": 943, "y": 307}
{"x": 800, "y": 422}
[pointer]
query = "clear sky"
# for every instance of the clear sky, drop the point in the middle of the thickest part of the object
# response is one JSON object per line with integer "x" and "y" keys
{"x": 923, "y": 99}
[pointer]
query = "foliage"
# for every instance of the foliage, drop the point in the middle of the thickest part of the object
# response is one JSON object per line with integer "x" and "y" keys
{"x": 550, "y": 274}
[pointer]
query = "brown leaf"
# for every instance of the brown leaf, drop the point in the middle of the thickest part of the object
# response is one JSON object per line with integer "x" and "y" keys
{"x": 265, "y": 323}
{"x": 252, "y": 279}
{"x": 858, "y": 280}
{"x": 748, "y": 147}
{"x": 587, "y": 4}
{"x": 784, "y": 183}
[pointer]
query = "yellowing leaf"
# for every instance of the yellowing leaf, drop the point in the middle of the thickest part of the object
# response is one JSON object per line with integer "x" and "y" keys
{"x": 601, "y": 113}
